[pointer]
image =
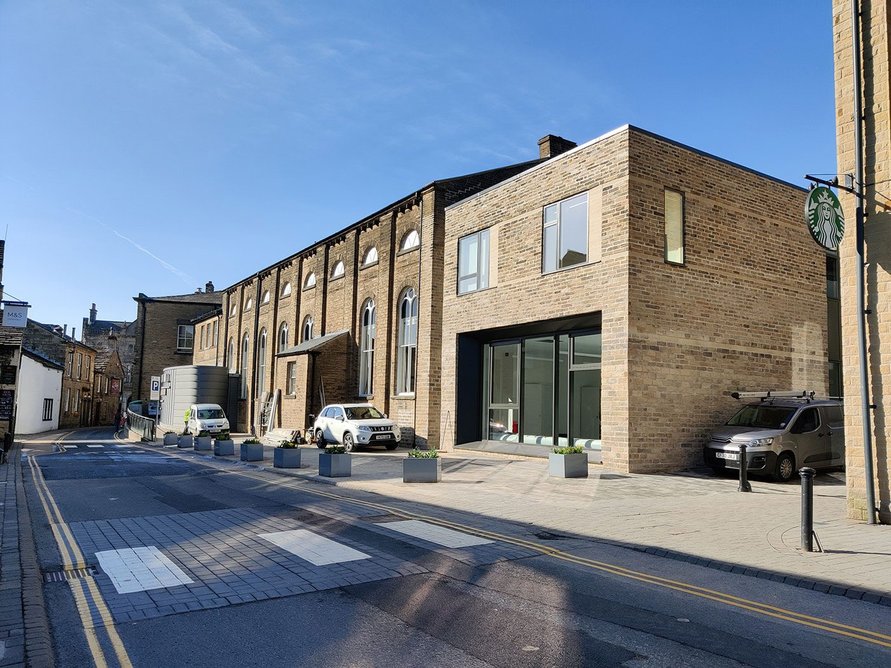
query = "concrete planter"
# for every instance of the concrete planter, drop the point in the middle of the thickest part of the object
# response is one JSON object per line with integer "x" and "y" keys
{"x": 568, "y": 466}
{"x": 335, "y": 466}
{"x": 171, "y": 439}
{"x": 184, "y": 442}
{"x": 223, "y": 448}
{"x": 252, "y": 452}
{"x": 286, "y": 458}
{"x": 203, "y": 443}
{"x": 421, "y": 470}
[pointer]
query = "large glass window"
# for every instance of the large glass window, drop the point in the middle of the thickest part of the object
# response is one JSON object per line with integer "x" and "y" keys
{"x": 473, "y": 262}
{"x": 245, "y": 352}
{"x": 407, "y": 342}
{"x": 504, "y": 391}
{"x": 565, "y": 233}
{"x": 538, "y": 390}
{"x": 367, "y": 334}
{"x": 261, "y": 361}
{"x": 674, "y": 227}
{"x": 185, "y": 336}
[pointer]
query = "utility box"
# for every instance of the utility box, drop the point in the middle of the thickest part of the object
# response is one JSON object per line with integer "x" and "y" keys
{"x": 182, "y": 386}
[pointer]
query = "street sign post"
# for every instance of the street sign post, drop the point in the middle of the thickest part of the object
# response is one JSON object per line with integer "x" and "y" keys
{"x": 155, "y": 388}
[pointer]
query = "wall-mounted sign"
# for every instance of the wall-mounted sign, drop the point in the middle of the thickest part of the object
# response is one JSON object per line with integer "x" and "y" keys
{"x": 15, "y": 314}
{"x": 155, "y": 388}
{"x": 824, "y": 217}
{"x": 7, "y": 402}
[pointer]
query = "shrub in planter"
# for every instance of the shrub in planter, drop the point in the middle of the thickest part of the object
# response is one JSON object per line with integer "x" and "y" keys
{"x": 286, "y": 456}
{"x": 568, "y": 462}
{"x": 184, "y": 441}
{"x": 170, "y": 438}
{"x": 252, "y": 450}
{"x": 223, "y": 447}
{"x": 335, "y": 462}
{"x": 422, "y": 466}
{"x": 203, "y": 441}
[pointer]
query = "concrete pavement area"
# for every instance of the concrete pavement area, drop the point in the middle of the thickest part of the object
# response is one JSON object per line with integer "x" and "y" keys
{"x": 691, "y": 516}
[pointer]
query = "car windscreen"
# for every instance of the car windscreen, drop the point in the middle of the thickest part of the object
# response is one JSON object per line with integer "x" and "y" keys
{"x": 363, "y": 413}
{"x": 762, "y": 417}
{"x": 211, "y": 414}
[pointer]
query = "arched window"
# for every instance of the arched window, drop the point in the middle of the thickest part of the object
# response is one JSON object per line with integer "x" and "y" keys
{"x": 310, "y": 281}
{"x": 230, "y": 351}
{"x": 286, "y": 289}
{"x": 265, "y": 299}
{"x": 233, "y": 309}
{"x": 408, "y": 342}
{"x": 245, "y": 352}
{"x": 248, "y": 304}
{"x": 337, "y": 272}
{"x": 367, "y": 333}
{"x": 283, "y": 337}
{"x": 261, "y": 361}
{"x": 370, "y": 257}
{"x": 307, "y": 328}
{"x": 410, "y": 240}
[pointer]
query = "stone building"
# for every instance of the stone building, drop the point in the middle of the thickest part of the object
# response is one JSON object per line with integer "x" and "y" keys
{"x": 876, "y": 159}
{"x": 355, "y": 316}
{"x": 119, "y": 335}
{"x": 614, "y": 296}
{"x": 107, "y": 387}
{"x": 165, "y": 333}
{"x": 207, "y": 350}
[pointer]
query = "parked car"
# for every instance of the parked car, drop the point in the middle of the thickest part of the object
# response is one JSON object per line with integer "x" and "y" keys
{"x": 208, "y": 418}
{"x": 355, "y": 425}
{"x": 781, "y": 436}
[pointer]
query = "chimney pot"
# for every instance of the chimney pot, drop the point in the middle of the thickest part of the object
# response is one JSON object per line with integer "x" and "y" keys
{"x": 552, "y": 145}
{"x": 93, "y": 313}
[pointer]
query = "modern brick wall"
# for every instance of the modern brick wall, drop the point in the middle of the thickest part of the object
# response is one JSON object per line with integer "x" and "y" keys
{"x": 876, "y": 129}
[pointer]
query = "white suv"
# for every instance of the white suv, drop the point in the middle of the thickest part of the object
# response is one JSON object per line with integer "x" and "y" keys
{"x": 355, "y": 425}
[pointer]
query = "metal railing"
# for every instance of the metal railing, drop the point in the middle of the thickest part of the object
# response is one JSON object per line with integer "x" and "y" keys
{"x": 142, "y": 425}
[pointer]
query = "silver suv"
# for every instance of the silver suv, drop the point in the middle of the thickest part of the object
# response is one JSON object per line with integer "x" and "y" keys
{"x": 781, "y": 436}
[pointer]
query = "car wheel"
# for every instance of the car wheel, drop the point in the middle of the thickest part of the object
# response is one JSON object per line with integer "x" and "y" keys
{"x": 348, "y": 443}
{"x": 785, "y": 468}
{"x": 391, "y": 446}
{"x": 320, "y": 439}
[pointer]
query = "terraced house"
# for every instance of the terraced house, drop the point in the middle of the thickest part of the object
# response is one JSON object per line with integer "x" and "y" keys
{"x": 610, "y": 295}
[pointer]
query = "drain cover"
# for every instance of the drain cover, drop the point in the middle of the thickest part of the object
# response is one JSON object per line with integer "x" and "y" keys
{"x": 69, "y": 574}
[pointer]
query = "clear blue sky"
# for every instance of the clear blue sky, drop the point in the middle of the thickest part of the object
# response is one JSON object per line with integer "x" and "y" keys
{"x": 152, "y": 146}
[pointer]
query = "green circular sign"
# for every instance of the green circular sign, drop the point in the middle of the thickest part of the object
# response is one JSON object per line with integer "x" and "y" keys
{"x": 825, "y": 219}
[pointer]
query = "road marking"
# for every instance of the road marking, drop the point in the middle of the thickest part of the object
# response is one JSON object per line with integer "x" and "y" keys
{"x": 312, "y": 547}
{"x": 140, "y": 569}
{"x": 93, "y": 445}
{"x": 435, "y": 533}
{"x": 86, "y": 594}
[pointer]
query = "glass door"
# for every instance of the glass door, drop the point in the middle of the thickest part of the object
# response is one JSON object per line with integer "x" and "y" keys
{"x": 504, "y": 392}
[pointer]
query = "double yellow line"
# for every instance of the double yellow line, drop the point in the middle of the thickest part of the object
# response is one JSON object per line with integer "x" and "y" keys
{"x": 86, "y": 594}
{"x": 865, "y": 635}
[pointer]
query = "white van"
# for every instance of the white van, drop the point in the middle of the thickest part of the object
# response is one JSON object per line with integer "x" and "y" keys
{"x": 207, "y": 418}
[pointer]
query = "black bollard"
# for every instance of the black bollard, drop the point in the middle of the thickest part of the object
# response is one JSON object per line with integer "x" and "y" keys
{"x": 807, "y": 508}
{"x": 744, "y": 485}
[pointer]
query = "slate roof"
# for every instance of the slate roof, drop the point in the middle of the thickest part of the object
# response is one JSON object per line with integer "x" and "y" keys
{"x": 45, "y": 361}
{"x": 215, "y": 297}
{"x": 312, "y": 344}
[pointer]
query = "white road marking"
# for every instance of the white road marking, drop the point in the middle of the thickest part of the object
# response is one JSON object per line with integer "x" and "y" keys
{"x": 140, "y": 569}
{"x": 316, "y": 549}
{"x": 435, "y": 534}
{"x": 95, "y": 446}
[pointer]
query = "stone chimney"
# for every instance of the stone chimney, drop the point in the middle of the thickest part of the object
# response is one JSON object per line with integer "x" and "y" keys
{"x": 208, "y": 287}
{"x": 93, "y": 313}
{"x": 551, "y": 145}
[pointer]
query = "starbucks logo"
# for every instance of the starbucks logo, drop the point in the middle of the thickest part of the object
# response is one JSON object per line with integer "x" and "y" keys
{"x": 825, "y": 219}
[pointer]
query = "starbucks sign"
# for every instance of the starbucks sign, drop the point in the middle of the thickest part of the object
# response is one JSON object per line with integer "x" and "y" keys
{"x": 825, "y": 219}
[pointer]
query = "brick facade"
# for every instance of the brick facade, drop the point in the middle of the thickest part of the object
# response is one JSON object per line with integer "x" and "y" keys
{"x": 745, "y": 311}
{"x": 876, "y": 130}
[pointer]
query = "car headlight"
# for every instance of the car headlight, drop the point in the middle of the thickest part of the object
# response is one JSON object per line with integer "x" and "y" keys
{"x": 365, "y": 428}
{"x": 760, "y": 442}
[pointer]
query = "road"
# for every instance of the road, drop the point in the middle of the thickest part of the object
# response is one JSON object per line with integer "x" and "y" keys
{"x": 153, "y": 559}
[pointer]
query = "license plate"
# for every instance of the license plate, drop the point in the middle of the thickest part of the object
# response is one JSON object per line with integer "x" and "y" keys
{"x": 382, "y": 437}
{"x": 732, "y": 456}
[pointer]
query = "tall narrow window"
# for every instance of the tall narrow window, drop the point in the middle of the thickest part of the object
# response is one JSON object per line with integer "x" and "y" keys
{"x": 185, "y": 337}
{"x": 565, "y": 233}
{"x": 283, "y": 337}
{"x": 473, "y": 262}
{"x": 407, "y": 342}
{"x": 366, "y": 348}
{"x": 47, "y": 410}
{"x": 80, "y": 365}
{"x": 261, "y": 361}
{"x": 216, "y": 331}
{"x": 230, "y": 352}
{"x": 292, "y": 378}
{"x": 245, "y": 351}
{"x": 307, "y": 328}
{"x": 674, "y": 227}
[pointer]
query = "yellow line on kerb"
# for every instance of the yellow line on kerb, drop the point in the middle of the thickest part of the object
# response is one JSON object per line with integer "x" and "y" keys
{"x": 827, "y": 625}
{"x": 85, "y": 590}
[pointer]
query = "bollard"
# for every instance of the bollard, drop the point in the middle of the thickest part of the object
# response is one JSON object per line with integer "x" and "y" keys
{"x": 807, "y": 508}
{"x": 744, "y": 485}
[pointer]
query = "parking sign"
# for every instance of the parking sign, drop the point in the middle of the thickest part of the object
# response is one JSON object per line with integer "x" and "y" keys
{"x": 155, "y": 392}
